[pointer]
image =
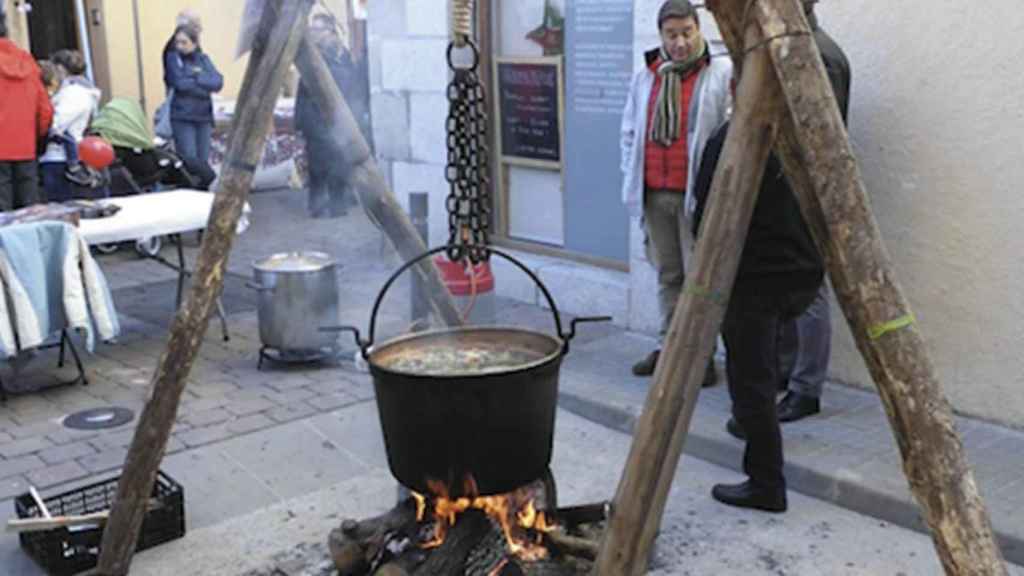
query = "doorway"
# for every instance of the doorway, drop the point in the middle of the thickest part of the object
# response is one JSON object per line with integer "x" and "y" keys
{"x": 52, "y": 26}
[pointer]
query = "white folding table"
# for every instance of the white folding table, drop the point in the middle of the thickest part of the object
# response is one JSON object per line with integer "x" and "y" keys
{"x": 170, "y": 213}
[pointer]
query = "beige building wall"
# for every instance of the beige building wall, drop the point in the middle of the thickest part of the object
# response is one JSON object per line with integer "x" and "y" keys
{"x": 937, "y": 123}
{"x": 17, "y": 25}
{"x": 221, "y": 22}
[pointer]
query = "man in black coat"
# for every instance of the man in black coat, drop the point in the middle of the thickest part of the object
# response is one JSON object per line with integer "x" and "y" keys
{"x": 327, "y": 180}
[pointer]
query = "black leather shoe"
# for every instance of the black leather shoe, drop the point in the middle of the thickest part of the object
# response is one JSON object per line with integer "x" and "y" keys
{"x": 710, "y": 376}
{"x": 646, "y": 366}
{"x": 733, "y": 427}
{"x": 795, "y": 406}
{"x": 746, "y": 495}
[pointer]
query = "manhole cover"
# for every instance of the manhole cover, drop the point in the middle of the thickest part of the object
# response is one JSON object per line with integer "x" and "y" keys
{"x": 99, "y": 418}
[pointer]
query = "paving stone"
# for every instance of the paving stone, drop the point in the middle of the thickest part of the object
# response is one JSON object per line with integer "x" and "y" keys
{"x": 197, "y": 404}
{"x": 67, "y": 452}
{"x": 329, "y": 402}
{"x": 212, "y": 389}
{"x": 24, "y": 446}
{"x": 203, "y": 436}
{"x": 207, "y": 417}
{"x": 291, "y": 412}
{"x": 58, "y": 474}
{"x": 69, "y": 435}
{"x": 251, "y": 423}
{"x": 13, "y": 487}
{"x": 20, "y": 465}
{"x": 174, "y": 446}
{"x": 286, "y": 384}
{"x": 290, "y": 396}
{"x": 113, "y": 439}
{"x": 250, "y": 406}
{"x": 110, "y": 459}
{"x": 44, "y": 428}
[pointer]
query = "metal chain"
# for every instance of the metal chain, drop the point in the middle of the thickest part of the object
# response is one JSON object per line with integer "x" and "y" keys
{"x": 469, "y": 199}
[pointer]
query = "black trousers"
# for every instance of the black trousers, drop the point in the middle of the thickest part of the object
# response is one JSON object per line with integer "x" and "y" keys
{"x": 19, "y": 184}
{"x": 751, "y": 332}
{"x": 327, "y": 189}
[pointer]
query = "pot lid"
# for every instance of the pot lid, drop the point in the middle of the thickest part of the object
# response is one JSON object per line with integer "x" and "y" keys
{"x": 294, "y": 262}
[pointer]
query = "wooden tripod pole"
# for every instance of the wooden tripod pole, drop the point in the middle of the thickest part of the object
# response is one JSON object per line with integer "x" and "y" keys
{"x": 820, "y": 164}
{"x": 365, "y": 177}
{"x": 661, "y": 431}
{"x": 281, "y": 28}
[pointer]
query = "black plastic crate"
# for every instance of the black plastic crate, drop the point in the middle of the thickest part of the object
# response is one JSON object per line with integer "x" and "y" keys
{"x": 69, "y": 550}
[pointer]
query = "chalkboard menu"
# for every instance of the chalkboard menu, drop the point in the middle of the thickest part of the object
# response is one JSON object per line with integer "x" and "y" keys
{"x": 529, "y": 110}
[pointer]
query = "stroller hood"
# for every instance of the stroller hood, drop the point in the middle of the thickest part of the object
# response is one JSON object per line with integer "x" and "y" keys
{"x": 123, "y": 123}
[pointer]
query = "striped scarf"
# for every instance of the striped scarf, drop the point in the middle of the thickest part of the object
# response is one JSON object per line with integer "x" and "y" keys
{"x": 665, "y": 126}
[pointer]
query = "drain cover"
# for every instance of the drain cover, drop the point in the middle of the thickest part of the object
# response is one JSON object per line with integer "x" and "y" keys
{"x": 99, "y": 418}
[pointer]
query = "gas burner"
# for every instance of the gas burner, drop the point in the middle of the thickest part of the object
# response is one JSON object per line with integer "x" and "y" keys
{"x": 291, "y": 357}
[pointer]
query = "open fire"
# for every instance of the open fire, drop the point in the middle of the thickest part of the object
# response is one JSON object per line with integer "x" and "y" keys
{"x": 522, "y": 525}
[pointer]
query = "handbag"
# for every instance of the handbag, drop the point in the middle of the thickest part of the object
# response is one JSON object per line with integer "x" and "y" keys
{"x": 162, "y": 118}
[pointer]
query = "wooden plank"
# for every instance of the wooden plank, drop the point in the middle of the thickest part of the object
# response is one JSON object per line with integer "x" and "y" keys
{"x": 662, "y": 428}
{"x": 281, "y": 28}
{"x": 821, "y": 165}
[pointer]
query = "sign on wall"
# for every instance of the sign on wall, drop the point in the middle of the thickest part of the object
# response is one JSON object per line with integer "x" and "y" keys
{"x": 529, "y": 99}
{"x": 599, "y": 66}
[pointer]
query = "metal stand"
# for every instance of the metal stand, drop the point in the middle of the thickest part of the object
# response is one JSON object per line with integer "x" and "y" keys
{"x": 279, "y": 357}
{"x": 183, "y": 274}
{"x": 65, "y": 343}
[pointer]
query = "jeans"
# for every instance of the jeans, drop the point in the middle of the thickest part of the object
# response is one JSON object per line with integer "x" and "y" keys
{"x": 19, "y": 184}
{"x": 57, "y": 187}
{"x": 813, "y": 346}
{"x": 663, "y": 221}
{"x": 751, "y": 331}
{"x": 192, "y": 139}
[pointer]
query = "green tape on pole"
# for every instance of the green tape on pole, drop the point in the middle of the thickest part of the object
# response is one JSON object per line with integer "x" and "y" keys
{"x": 700, "y": 291}
{"x": 877, "y": 331}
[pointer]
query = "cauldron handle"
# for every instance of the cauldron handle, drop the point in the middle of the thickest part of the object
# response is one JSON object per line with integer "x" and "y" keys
{"x": 564, "y": 336}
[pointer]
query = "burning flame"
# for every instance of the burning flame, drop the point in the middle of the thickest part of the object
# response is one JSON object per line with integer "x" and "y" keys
{"x": 521, "y": 523}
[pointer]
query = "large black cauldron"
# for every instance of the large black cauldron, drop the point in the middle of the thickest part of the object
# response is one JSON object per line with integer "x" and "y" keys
{"x": 495, "y": 425}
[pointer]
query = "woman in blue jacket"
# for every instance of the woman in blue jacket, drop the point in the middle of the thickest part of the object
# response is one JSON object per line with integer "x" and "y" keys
{"x": 192, "y": 76}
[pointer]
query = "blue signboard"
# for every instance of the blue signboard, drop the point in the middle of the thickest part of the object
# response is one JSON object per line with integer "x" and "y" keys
{"x": 599, "y": 66}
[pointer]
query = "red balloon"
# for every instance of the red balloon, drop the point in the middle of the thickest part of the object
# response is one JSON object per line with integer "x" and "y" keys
{"x": 96, "y": 152}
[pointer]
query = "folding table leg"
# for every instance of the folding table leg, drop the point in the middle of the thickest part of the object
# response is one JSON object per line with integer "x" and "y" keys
{"x": 182, "y": 272}
{"x": 223, "y": 319}
{"x": 74, "y": 354}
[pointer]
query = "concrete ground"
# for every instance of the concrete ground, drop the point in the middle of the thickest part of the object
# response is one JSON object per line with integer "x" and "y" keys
{"x": 273, "y": 458}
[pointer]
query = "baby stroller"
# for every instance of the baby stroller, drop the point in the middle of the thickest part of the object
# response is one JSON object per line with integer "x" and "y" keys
{"x": 140, "y": 165}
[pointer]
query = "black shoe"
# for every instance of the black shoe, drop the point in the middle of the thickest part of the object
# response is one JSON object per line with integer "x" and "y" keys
{"x": 733, "y": 427}
{"x": 646, "y": 366}
{"x": 746, "y": 495}
{"x": 710, "y": 376}
{"x": 795, "y": 406}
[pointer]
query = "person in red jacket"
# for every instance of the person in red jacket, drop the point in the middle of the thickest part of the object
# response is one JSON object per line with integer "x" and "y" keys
{"x": 25, "y": 116}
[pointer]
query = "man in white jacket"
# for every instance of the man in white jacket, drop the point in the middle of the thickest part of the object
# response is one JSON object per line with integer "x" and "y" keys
{"x": 74, "y": 105}
{"x": 675, "y": 104}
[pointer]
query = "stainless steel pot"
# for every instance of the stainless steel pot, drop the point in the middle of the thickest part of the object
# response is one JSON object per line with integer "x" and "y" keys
{"x": 298, "y": 292}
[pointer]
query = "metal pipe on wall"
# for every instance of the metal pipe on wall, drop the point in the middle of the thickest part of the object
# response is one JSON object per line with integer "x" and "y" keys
{"x": 83, "y": 37}
{"x": 138, "y": 54}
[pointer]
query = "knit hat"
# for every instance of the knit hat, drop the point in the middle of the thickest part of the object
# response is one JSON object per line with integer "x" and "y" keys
{"x": 676, "y": 9}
